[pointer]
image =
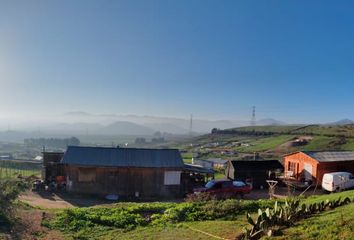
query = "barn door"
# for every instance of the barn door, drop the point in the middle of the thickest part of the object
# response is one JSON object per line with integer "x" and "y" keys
{"x": 307, "y": 171}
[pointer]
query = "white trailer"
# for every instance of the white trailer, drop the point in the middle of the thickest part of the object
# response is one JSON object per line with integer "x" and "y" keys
{"x": 337, "y": 181}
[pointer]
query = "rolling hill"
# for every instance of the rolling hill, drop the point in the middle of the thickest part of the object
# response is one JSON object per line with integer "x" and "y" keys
{"x": 272, "y": 141}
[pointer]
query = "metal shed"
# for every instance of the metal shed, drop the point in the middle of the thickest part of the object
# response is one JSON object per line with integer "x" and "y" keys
{"x": 258, "y": 171}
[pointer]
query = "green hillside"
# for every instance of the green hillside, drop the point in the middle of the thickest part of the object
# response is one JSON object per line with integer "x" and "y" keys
{"x": 326, "y": 130}
{"x": 271, "y": 141}
{"x": 335, "y": 224}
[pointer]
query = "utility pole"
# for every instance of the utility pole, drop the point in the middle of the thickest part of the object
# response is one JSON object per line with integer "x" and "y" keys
{"x": 253, "y": 119}
{"x": 191, "y": 125}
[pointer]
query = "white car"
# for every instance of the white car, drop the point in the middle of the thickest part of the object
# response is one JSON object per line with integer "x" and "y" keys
{"x": 337, "y": 181}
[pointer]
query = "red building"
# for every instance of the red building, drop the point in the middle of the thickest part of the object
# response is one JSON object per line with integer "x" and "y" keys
{"x": 312, "y": 165}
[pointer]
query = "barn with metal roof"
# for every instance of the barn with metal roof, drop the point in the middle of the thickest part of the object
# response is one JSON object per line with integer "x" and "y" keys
{"x": 128, "y": 172}
{"x": 310, "y": 166}
{"x": 123, "y": 157}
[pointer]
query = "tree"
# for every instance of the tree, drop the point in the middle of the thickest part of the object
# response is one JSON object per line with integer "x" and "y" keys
{"x": 140, "y": 141}
{"x": 214, "y": 131}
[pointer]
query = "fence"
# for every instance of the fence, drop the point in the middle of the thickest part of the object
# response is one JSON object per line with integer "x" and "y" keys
{"x": 15, "y": 168}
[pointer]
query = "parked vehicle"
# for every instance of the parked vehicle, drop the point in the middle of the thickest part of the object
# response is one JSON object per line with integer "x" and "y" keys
{"x": 225, "y": 188}
{"x": 38, "y": 185}
{"x": 337, "y": 181}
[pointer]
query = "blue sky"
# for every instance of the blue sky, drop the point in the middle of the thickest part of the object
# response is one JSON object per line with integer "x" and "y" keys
{"x": 294, "y": 60}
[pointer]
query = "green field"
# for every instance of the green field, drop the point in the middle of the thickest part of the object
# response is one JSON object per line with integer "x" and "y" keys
{"x": 346, "y": 130}
{"x": 213, "y": 220}
{"x": 188, "y": 231}
{"x": 272, "y": 129}
{"x": 14, "y": 172}
{"x": 318, "y": 143}
{"x": 187, "y": 157}
{"x": 334, "y": 224}
{"x": 265, "y": 143}
{"x": 11, "y": 169}
{"x": 272, "y": 142}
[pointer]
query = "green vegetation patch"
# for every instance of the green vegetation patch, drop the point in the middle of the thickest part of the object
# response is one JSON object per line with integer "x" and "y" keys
{"x": 266, "y": 143}
{"x": 271, "y": 129}
{"x": 349, "y": 145}
{"x": 130, "y": 216}
{"x": 330, "y": 197}
{"x": 319, "y": 143}
{"x": 272, "y": 221}
{"x": 9, "y": 191}
{"x": 334, "y": 224}
{"x": 187, "y": 220}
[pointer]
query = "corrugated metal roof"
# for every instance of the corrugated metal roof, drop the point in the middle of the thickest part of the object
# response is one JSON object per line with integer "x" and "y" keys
{"x": 197, "y": 168}
{"x": 214, "y": 160}
{"x": 331, "y": 156}
{"x": 122, "y": 157}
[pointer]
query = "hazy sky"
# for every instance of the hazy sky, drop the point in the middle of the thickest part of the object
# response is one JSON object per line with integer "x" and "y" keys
{"x": 294, "y": 60}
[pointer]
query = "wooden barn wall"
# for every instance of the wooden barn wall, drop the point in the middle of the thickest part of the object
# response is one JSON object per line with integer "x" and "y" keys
{"x": 318, "y": 168}
{"x": 148, "y": 182}
{"x": 327, "y": 167}
{"x": 300, "y": 159}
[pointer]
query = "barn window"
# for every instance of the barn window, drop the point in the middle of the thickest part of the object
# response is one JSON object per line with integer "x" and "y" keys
{"x": 87, "y": 175}
{"x": 292, "y": 168}
{"x": 172, "y": 178}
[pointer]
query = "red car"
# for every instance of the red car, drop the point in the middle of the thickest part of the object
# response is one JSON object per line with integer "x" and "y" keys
{"x": 225, "y": 188}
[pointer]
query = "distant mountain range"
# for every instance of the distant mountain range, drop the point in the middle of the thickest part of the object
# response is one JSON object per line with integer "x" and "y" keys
{"x": 83, "y": 123}
{"x": 344, "y": 121}
{"x": 149, "y": 124}
{"x": 269, "y": 121}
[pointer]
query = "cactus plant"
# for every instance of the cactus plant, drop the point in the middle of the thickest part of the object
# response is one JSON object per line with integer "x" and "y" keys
{"x": 286, "y": 215}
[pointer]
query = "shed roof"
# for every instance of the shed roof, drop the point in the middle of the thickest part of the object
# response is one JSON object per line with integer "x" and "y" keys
{"x": 214, "y": 160}
{"x": 197, "y": 168}
{"x": 331, "y": 156}
{"x": 256, "y": 165}
{"x": 123, "y": 157}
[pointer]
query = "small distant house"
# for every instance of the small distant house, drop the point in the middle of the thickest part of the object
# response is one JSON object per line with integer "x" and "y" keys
{"x": 211, "y": 163}
{"x": 6, "y": 157}
{"x": 219, "y": 162}
{"x": 312, "y": 165}
{"x": 203, "y": 163}
{"x": 38, "y": 158}
{"x": 126, "y": 172}
{"x": 257, "y": 171}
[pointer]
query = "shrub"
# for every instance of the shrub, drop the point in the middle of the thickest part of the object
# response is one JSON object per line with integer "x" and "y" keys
{"x": 200, "y": 197}
{"x": 269, "y": 220}
{"x": 180, "y": 213}
{"x": 129, "y": 216}
{"x": 79, "y": 218}
{"x": 9, "y": 191}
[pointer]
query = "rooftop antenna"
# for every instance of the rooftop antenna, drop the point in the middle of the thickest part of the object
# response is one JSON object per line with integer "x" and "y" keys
{"x": 191, "y": 125}
{"x": 253, "y": 119}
